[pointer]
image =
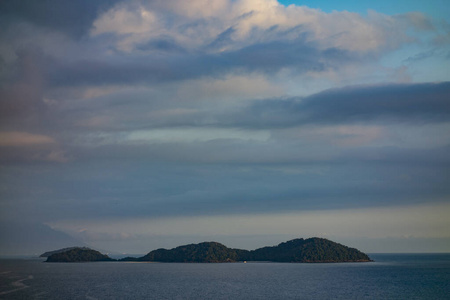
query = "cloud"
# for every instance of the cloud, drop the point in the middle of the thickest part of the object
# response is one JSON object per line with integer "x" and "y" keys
{"x": 153, "y": 43}
{"x": 416, "y": 102}
{"x": 427, "y": 102}
{"x": 165, "y": 43}
{"x": 22, "y": 87}
{"x": 111, "y": 184}
{"x": 213, "y": 107}
{"x": 237, "y": 24}
{"x": 28, "y": 147}
{"x": 299, "y": 56}
{"x": 418, "y": 20}
{"x": 216, "y": 126}
{"x": 72, "y": 17}
{"x": 15, "y": 139}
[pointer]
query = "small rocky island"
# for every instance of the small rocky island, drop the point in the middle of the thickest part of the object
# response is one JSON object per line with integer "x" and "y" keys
{"x": 312, "y": 250}
{"x": 77, "y": 254}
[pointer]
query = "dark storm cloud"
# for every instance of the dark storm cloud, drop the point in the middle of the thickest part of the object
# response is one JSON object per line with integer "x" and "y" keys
{"x": 72, "y": 17}
{"x": 299, "y": 55}
{"x": 426, "y": 102}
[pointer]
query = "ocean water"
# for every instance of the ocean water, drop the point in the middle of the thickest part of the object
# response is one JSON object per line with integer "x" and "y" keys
{"x": 391, "y": 276}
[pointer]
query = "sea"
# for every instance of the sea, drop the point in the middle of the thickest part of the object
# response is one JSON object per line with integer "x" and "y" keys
{"x": 390, "y": 276}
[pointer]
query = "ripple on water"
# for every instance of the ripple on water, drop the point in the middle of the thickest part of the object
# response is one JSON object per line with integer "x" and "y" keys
{"x": 17, "y": 285}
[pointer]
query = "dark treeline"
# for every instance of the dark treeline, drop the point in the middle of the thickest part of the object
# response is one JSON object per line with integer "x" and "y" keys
{"x": 78, "y": 255}
{"x": 298, "y": 250}
{"x": 312, "y": 250}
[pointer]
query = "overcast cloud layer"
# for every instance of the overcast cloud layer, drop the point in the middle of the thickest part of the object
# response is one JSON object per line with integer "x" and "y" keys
{"x": 136, "y": 112}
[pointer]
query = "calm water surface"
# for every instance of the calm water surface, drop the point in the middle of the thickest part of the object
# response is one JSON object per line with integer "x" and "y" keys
{"x": 392, "y": 276}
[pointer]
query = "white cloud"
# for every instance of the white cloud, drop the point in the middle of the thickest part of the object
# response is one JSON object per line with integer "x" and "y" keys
{"x": 196, "y": 135}
{"x": 124, "y": 20}
{"x": 196, "y": 24}
{"x": 173, "y": 135}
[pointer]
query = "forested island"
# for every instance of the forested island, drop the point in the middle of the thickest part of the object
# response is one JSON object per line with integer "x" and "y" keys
{"x": 312, "y": 250}
{"x": 299, "y": 250}
{"x": 48, "y": 253}
{"x": 77, "y": 254}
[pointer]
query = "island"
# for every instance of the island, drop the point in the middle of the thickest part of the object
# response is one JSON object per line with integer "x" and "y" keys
{"x": 48, "y": 253}
{"x": 206, "y": 252}
{"x": 78, "y": 255}
{"x": 312, "y": 250}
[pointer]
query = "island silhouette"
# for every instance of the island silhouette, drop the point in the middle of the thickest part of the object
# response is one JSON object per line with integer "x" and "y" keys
{"x": 311, "y": 250}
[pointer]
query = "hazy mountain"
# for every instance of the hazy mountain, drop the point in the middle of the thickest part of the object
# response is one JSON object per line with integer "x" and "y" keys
{"x": 18, "y": 239}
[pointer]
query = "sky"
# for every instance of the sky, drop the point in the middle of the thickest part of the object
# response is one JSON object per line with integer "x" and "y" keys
{"x": 134, "y": 125}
